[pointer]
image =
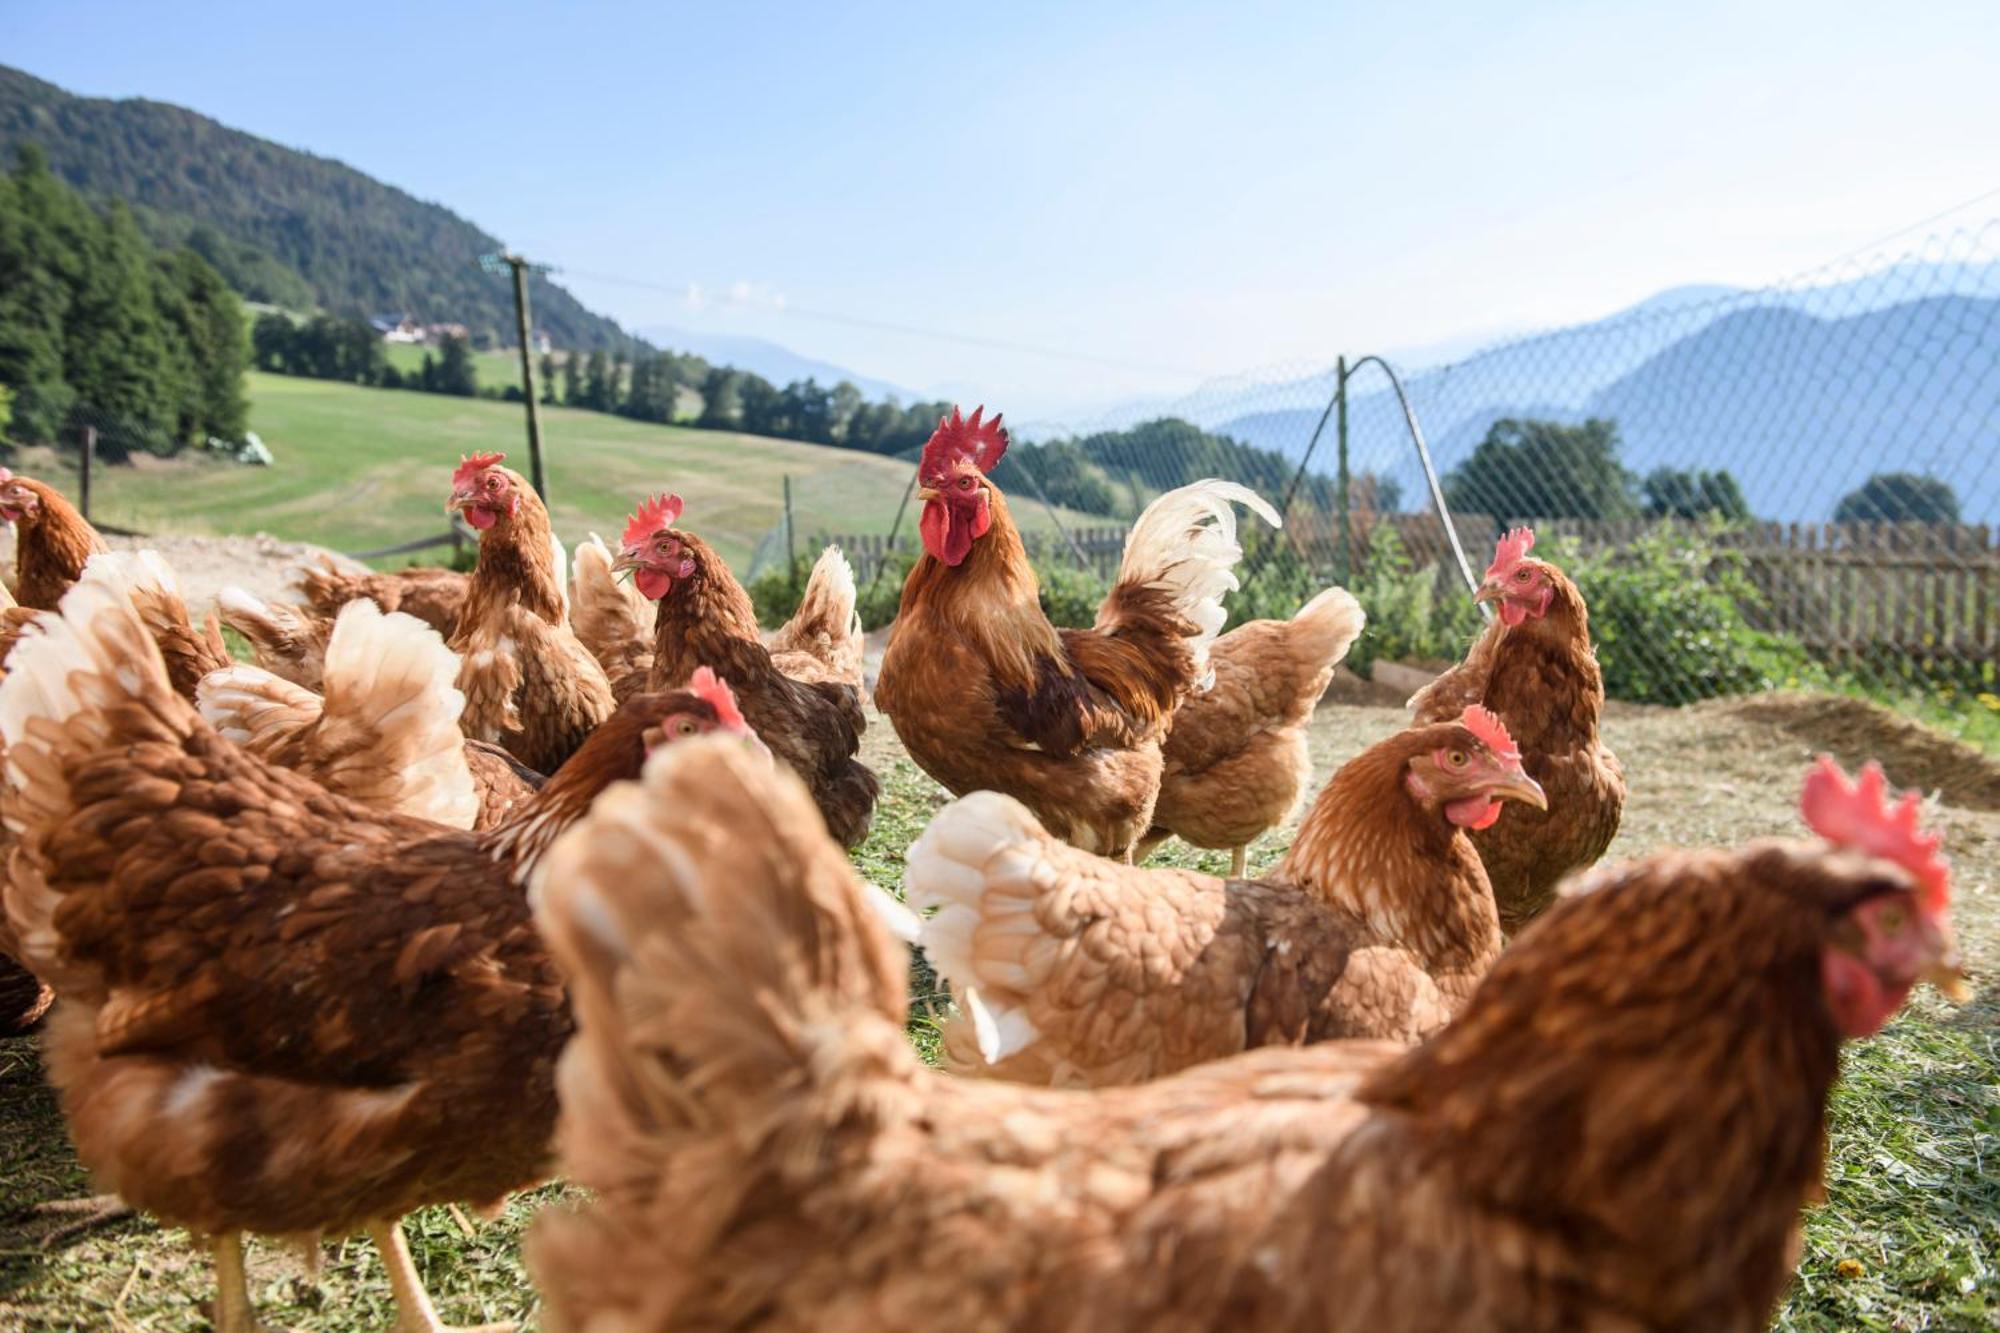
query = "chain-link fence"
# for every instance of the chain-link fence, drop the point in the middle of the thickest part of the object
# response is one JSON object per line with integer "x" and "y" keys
{"x": 1795, "y": 485}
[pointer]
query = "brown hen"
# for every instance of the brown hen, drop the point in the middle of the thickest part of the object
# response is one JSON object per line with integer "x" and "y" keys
{"x": 280, "y": 1011}
{"x": 805, "y": 703}
{"x": 52, "y": 541}
{"x": 791, "y": 1164}
{"x": 1236, "y": 761}
{"x": 1072, "y": 970}
{"x": 288, "y": 641}
{"x": 434, "y": 596}
{"x": 530, "y": 685}
{"x": 1535, "y": 666}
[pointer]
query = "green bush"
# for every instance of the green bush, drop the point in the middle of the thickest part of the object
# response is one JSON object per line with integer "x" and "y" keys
{"x": 1667, "y": 611}
{"x": 776, "y": 594}
{"x": 1070, "y": 596}
{"x": 1409, "y": 620}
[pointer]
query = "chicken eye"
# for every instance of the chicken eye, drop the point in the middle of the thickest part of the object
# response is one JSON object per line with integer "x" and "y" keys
{"x": 684, "y": 726}
{"x": 1521, "y": 577}
{"x": 1457, "y": 759}
{"x": 966, "y": 483}
{"x": 1890, "y": 919}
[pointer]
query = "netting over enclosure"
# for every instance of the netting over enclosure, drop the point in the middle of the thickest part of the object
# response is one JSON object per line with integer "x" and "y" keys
{"x": 1792, "y": 485}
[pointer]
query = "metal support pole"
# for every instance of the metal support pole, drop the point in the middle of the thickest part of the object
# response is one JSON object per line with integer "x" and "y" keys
{"x": 791, "y": 538}
{"x": 520, "y": 267}
{"x": 88, "y": 444}
{"x": 1344, "y": 562}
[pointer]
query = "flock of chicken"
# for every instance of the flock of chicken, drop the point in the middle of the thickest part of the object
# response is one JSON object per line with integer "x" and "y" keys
{"x": 327, "y": 946}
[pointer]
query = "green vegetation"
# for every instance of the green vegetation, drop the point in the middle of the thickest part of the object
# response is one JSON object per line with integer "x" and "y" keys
{"x": 1693, "y": 493}
{"x": 1532, "y": 469}
{"x": 285, "y": 227}
{"x": 1898, "y": 497}
{"x": 363, "y": 468}
{"x": 98, "y": 327}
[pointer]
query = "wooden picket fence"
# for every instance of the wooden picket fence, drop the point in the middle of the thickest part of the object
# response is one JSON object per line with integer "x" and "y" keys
{"x": 1923, "y": 591}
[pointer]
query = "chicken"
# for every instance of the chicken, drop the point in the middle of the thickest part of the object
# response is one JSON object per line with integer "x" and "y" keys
{"x": 279, "y": 1011}
{"x": 434, "y": 596}
{"x": 530, "y": 685}
{"x": 51, "y": 540}
{"x": 386, "y": 734}
{"x": 1237, "y": 760}
{"x": 1536, "y": 668}
{"x": 804, "y": 703}
{"x": 289, "y": 641}
{"x": 190, "y": 654}
{"x": 986, "y": 694}
{"x": 791, "y": 1164}
{"x": 1070, "y": 969}
{"x": 612, "y": 618}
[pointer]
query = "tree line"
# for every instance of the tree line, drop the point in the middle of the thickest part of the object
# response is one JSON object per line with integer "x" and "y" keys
{"x": 98, "y": 325}
{"x": 1528, "y": 469}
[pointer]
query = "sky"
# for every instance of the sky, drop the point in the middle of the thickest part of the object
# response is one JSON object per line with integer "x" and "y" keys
{"x": 1057, "y": 206}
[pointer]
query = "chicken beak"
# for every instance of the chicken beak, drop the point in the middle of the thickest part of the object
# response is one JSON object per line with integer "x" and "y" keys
{"x": 626, "y": 562}
{"x": 1489, "y": 591}
{"x": 1518, "y": 786}
{"x": 928, "y": 493}
{"x": 1947, "y": 971}
{"x": 459, "y": 500}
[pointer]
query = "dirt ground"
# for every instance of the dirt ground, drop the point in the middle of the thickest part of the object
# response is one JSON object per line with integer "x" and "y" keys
{"x": 262, "y": 564}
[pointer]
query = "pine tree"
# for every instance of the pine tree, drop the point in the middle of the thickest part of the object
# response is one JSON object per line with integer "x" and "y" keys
{"x": 455, "y": 374}
{"x": 597, "y": 387}
{"x": 572, "y": 387}
{"x": 546, "y": 372}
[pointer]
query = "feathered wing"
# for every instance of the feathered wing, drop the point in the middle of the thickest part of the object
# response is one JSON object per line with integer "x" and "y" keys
{"x": 289, "y": 641}
{"x": 822, "y": 641}
{"x": 1459, "y": 688}
{"x": 613, "y": 619}
{"x": 669, "y": 904}
{"x": 387, "y": 732}
{"x": 531, "y": 687}
{"x": 1149, "y": 647}
{"x": 1068, "y": 968}
{"x": 156, "y": 595}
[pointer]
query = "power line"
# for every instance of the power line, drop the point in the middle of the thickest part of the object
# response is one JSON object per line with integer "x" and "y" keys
{"x": 890, "y": 326}
{"x": 1921, "y": 223}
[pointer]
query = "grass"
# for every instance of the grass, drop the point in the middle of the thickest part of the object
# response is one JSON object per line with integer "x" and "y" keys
{"x": 358, "y": 469}
{"x": 1908, "y": 1239}
{"x": 493, "y": 369}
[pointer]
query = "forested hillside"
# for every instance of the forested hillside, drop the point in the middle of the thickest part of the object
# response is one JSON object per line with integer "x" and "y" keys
{"x": 281, "y": 225}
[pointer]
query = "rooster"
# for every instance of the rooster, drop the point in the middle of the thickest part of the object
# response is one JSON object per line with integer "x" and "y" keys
{"x": 804, "y": 701}
{"x": 51, "y": 540}
{"x": 1072, "y": 969}
{"x": 434, "y": 596}
{"x": 1536, "y": 668}
{"x": 1236, "y": 761}
{"x": 279, "y": 1011}
{"x": 986, "y": 694}
{"x": 530, "y": 686}
{"x": 791, "y": 1164}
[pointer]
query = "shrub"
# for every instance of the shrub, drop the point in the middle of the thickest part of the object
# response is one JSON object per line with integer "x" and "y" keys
{"x": 1408, "y": 618}
{"x": 1667, "y": 612}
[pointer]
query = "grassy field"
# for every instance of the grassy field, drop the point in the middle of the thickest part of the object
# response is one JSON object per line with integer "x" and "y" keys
{"x": 1908, "y": 1239}
{"x": 358, "y": 469}
{"x": 495, "y": 369}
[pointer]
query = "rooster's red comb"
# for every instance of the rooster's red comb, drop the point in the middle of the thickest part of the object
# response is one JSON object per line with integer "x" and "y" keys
{"x": 1511, "y": 551}
{"x": 714, "y": 691}
{"x": 1491, "y": 732}
{"x": 652, "y": 515}
{"x": 1855, "y": 814}
{"x": 471, "y": 465}
{"x": 959, "y": 437}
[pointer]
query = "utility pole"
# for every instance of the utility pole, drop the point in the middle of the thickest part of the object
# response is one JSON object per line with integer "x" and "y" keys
{"x": 87, "y": 449}
{"x": 520, "y": 268}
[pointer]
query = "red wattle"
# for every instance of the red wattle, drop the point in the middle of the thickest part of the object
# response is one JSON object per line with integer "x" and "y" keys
{"x": 480, "y": 517}
{"x": 1474, "y": 812}
{"x": 944, "y": 537}
{"x": 652, "y": 583}
{"x": 1513, "y": 612}
{"x": 1860, "y": 1003}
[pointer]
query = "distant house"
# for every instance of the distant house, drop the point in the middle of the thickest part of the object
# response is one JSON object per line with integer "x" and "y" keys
{"x": 437, "y": 333}
{"x": 542, "y": 343}
{"x": 398, "y": 328}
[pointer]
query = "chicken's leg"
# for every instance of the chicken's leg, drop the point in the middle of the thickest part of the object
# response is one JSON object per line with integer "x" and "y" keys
{"x": 1239, "y": 861}
{"x": 232, "y": 1288}
{"x": 414, "y": 1311}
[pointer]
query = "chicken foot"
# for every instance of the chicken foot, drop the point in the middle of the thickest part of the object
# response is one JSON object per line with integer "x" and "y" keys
{"x": 97, "y": 1211}
{"x": 414, "y": 1311}
{"x": 232, "y": 1287}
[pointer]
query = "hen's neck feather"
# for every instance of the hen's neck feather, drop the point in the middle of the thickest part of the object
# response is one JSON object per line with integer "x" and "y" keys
{"x": 516, "y": 567}
{"x": 55, "y": 542}
{"x": 1367, "y": 848}
{"x": 706, "y": 619}
{"x": 1544, "y": 681}
{"x": 609, "y": 755}
{"x": 990, "y": 599}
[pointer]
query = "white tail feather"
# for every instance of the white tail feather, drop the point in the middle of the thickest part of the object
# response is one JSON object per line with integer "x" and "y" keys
{"x": 253, "y": 708}
{"x": 976, "y": 866}
{"x": 1185, "y": 543}
{"x": 1336, "y": 619}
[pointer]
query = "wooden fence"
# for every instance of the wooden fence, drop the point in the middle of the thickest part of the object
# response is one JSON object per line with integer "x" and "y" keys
{"x": 1917, "y": 590}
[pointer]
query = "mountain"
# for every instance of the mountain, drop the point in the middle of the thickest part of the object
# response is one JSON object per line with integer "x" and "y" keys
{"x": 1801, "y": 392}
{"x": 281, "y": 225}
{"x": 774, "y": 361}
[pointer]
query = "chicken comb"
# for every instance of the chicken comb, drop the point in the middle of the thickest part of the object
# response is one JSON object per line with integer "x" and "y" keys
{"x": 652, "y": 515}
{"x": 1511, "y": 551}
{"x": 1855, "y": 814}
{"x": 714, "y": 691}
{"x": 959, "y": 437}
{"x": 1491, "y": 732}
{"x": 471, "y": 465}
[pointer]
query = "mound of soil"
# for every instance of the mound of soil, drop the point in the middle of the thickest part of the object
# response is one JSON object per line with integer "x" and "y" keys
{"x": 1855, "y": 731}
{"x": 261, "y": 563}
